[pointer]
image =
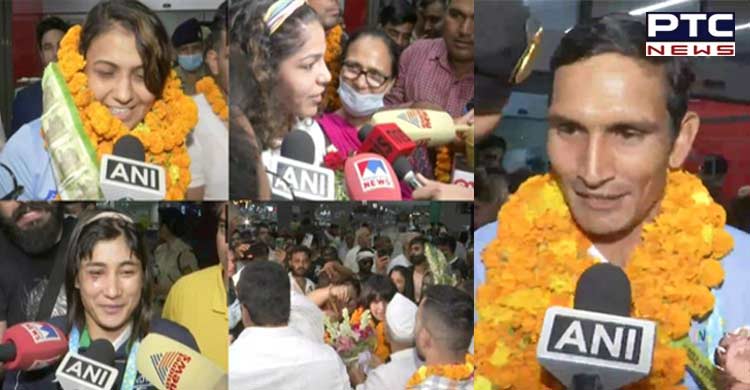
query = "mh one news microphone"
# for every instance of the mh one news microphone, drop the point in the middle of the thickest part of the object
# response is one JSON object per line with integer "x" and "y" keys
{"x": 91, "y": 370}
{"x": 169, "y": 365}
{"x": 385, "y": 139}
{"x": 597, "y": 345}
{"x": 294, "y": 175}
{"x": 429, "y": 127}
{"x": 125, "y": 175}
{"x": 369, "y": 177}
{"x": 32, "y": 345}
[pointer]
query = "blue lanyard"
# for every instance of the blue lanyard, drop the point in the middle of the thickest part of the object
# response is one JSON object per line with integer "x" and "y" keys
{"x": 128, "y": 380}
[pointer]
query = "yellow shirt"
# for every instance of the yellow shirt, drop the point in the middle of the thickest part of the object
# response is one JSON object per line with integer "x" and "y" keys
{"x": 198, "y": 301}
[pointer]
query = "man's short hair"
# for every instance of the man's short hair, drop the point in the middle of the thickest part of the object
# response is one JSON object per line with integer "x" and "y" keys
{"x": 302, "y": 249}
{"x": 418, "y": 240}
{"x": 48, "y": 24}
{"x": 397, "y": 13}
{"x": 626, "y": 35}
{"x": 264, "y": 290}
{"x": 447, "y": 240}
{"x": 492, "y": 141}
{"x": 219, "y": 26}
{"x": 448, "y": 313}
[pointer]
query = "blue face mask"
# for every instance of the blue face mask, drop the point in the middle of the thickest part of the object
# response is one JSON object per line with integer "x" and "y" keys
{"x": 190, "y": 62}
{"x": 359, "y": 104}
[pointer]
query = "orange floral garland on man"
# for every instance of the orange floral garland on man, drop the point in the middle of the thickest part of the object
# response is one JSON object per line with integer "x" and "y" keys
{"x": 208, "y": 87}
{"x": 162, "y": 132}
{"x": 332, "y": 58}
{"x": 540, "y": 253}
{"x": 456, "y": 372}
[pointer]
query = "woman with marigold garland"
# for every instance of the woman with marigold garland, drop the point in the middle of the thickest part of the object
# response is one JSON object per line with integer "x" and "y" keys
{"x": 116, "y": 69}
{"x": 619, "y": 132}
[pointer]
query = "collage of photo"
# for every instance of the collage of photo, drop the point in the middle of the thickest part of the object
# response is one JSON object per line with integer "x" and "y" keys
{"x": 280, "y": 195}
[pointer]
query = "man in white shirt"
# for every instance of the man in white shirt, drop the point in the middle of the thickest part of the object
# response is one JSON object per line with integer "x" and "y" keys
{"x": 209, "y": 142}
{"x": 346, "y": 244}
{"x": 402, "y": 259}
{"x": 362, "y": 236}
{"x": 400, "y": 317}
{"x": 269, "y": 354}
{"x": 299, "y": 267}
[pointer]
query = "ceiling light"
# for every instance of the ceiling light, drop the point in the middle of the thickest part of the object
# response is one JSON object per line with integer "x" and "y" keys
{"x": 656, "y": 7}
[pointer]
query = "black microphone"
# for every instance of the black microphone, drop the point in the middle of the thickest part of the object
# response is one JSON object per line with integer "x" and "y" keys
{"x": 124, "y": 174}
{"x": 604, "y": 288}
{"x": 405, "y": 172}
{"x": 294, "y": 174}
{"x": 596, "y": 345}
{"x": 93, "y": 369}
{"x": 130, "y": 147}
{"x": 299, "y": 146}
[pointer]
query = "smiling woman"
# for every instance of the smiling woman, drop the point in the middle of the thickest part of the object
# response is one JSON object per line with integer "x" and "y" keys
{"x": 112, "y": 79}
{"x": 109, "y": 296}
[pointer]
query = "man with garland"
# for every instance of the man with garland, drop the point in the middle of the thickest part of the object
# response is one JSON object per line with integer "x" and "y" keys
{"x": 209, "y": 146}
{"x": 619, "y": 130}
{"x": 442, "y": 333}
{"x": 330, "y": 17}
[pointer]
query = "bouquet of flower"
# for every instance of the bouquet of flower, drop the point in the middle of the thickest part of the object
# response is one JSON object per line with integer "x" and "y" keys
{"x": 352, "y": 336}
{"x": 334, "y": 160}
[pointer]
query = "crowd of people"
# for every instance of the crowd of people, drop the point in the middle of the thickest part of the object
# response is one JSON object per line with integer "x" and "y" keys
{"x": 336, "y": 307}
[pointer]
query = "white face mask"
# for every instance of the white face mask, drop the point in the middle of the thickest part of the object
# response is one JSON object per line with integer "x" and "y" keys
{"x": 359, "y": 104}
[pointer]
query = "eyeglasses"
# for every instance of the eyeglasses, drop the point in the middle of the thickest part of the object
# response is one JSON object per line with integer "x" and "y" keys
{"x": 17, "y": 189}
{"x": 352, "y": 70}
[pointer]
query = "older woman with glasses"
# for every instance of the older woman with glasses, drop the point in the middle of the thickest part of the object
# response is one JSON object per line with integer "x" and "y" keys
{"x": 368, "y": 72}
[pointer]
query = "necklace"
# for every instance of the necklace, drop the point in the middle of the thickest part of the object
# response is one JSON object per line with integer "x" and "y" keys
{"x": 162, "y": 132}
{"x": 540, "y": 253}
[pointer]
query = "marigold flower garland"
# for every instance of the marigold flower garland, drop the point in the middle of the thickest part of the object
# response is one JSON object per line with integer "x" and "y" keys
{"x": 162, "y": 132}
{"x": 443, "y": 164}
{"x": 382, "y": 348}
{"x": 457, "y": 372}
{"x": 332, "y": 58}
{"x": 208, "y": 87}
{"x": 539, "y": 254}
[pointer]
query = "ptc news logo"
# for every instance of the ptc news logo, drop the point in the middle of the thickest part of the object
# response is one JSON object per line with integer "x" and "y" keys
{"x": 690, "y": 34}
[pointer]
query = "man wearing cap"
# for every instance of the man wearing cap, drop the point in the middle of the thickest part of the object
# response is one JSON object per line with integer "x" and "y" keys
{"x": 365, "y": 261}
{"x": 400, "y": 317}
{"x": 187, "y": 41}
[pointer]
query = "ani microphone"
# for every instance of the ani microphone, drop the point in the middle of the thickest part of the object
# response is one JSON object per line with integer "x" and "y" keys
{"x": 92, "y": 370}
{"x": 31, "y": 346}
{"x": 294, "y": 176}
{"x": 125, "y": 175}
{"x": 597, "y": 345}
{"x": 369, "y": 176}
